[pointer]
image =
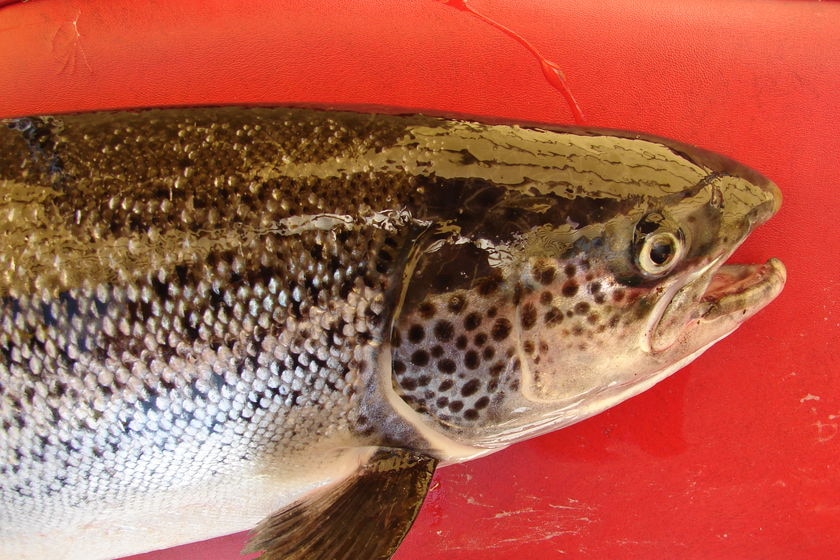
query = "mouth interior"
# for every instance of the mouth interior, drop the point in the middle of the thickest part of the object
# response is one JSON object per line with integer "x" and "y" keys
{"x": 743, "y": 288}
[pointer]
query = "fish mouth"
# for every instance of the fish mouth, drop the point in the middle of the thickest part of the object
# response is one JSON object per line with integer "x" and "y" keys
{"x": 741, "y": 288}
{"x": 713, "y": 303}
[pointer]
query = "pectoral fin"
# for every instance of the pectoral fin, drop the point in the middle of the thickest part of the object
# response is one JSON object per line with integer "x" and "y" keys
{"x": 364, "y": 516}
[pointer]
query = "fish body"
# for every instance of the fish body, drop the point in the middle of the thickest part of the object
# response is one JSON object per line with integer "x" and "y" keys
{"x": 216, "y": 316}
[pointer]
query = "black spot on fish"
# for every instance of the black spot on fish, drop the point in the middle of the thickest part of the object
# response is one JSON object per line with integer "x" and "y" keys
{"x": 471, "y": 387}
{"x": 570, "y": 270}
{"x": 437, "y": 351}
{"x": 444, "y": 331}
{"x": 420, "y": 358}
{"x": 446, "y": 366}
{"x": 456, "y": 303}
{"x": 442, "y": 402}
{"x": 497, "y": 369}
{"x": 553, "y": 316}
{"x": 546, "y": 298}
{"x": 472, "y": 321}
{"x": 482, "y": 403}
{"x": 445, "y": 385}
{"x": 461, "y": 342}
{"x": 409, "y": 384}
{"x": 345, "y": 288}
{"x": 145, "y": 309}
{"x": 216, "y": 297}
{"x": 488, "y": 286}
{"x": 471, "y": 359}
{"x": 544, "y": 273}
{"x": 501, "y": 329}
{"x": 160, "y": 288}
{"x": 488, "y": 353}
{"x": 456, "y": 406}
{"x": 49, "y": 318}
{"x": 582, "y": 308}
{"x": 570, "y": 288}
{"x": 528, "y": 316}
{"x": 471, "y": 414}
{"x": 399, "y": 367}
{"x": 467, "y": 158}
{"x": 416, "y": 334}
{"x": 181, "y": 273}
{"x": 480, "y": 339}
{"x": 382, "y": 254}
{"x": 427, "y": 310}
{"x": 71, "y": 304}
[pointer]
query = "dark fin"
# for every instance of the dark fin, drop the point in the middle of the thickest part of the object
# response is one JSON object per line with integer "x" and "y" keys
{"x": 364, "y": 517}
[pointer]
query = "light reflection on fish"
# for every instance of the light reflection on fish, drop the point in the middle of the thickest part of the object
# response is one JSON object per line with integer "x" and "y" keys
{"x": 215, "y": 316}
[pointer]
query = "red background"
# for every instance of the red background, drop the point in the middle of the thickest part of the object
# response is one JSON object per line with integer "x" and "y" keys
{"x": 734, "y": 457}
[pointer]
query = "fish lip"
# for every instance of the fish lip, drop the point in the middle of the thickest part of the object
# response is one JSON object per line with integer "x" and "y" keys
{"x": 731, "y": 293}
{"x": 742, "y": 288}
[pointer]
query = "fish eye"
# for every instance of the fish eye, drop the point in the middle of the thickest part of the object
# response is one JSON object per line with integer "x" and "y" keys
{"x": 659, "y": 253}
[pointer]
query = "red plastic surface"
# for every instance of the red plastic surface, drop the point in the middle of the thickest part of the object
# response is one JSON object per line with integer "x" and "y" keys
{"x": 735, "y": 456}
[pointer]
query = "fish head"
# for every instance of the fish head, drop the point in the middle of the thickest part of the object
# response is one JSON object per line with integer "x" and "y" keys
{"x": 566, "y": 296}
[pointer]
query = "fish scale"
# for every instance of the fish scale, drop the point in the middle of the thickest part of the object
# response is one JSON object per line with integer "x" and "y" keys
{"x": 132, "y": 395}
{"x": 215, "y": 316}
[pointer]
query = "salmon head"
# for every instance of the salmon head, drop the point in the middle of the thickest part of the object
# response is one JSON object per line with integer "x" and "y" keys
{"x": 555, "y": 291}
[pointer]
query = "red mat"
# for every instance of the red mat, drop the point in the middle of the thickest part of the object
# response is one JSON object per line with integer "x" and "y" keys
{"x": 736, "y": 456}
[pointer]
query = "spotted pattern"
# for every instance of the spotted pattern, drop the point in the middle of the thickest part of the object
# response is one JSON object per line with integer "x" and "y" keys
{"x": 457, "y": 356}
{"x": 466, "y": 343}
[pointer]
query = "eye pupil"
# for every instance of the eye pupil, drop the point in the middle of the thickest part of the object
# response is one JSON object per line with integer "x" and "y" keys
{"x": 661, "y": 252}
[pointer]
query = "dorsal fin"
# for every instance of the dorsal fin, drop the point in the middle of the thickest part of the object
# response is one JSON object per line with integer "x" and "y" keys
{"x": 363, "y": 517}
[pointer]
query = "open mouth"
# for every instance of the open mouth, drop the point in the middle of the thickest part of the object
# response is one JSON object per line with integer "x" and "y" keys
{"x": 713, "y": 302}
{"x": 742, "y": 289}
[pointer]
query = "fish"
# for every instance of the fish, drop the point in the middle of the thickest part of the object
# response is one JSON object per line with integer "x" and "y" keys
{"x": 284, "y": 320}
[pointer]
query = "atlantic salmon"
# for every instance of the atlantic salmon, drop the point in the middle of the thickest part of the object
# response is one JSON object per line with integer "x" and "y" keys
{"x": 284, "y": 319}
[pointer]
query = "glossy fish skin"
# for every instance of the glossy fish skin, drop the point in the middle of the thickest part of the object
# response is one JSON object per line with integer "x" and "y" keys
{"x": 207, "y": 313}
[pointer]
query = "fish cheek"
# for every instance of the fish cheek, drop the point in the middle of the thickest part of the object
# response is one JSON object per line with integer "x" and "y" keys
{"x": 456, "y": 358}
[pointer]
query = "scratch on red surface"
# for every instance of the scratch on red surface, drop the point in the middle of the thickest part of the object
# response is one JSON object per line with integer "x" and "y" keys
{"x": 551, "y": 70}
{"x": 532, "y": 522}
{"x": 67, "y": 46}
{"x": 826, "y": 431}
